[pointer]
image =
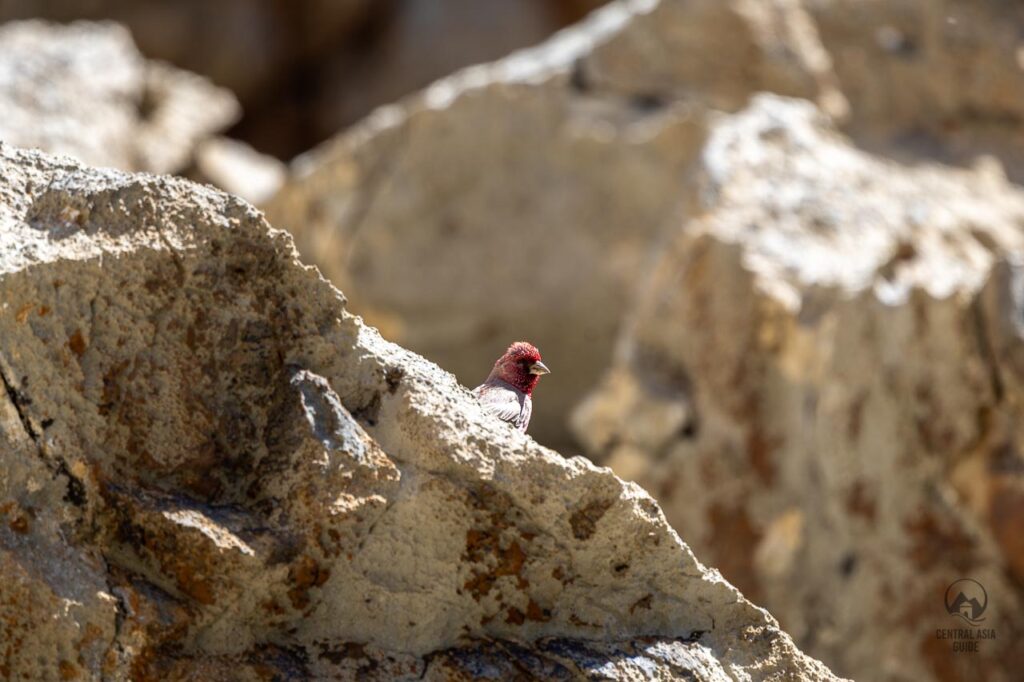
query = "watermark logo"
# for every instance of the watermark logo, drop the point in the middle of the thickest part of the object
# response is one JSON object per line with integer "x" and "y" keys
{"x": 967, "y": 599}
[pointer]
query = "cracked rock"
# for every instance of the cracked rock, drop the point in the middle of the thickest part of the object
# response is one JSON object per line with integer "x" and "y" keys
{"x": 211, "y": 469}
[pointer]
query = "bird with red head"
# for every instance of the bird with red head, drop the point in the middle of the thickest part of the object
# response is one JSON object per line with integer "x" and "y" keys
{"x": 508, "y": 391}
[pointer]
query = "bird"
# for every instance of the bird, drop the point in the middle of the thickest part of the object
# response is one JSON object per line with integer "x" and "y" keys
{"x": 507, "y": 392}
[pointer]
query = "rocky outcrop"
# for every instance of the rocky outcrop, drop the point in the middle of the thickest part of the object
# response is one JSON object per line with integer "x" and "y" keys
{"x": 84, "y": 90}
{"x": 211, "y": 470}
{"x": 543, "y": 179}
{"x": 821, "y": 384}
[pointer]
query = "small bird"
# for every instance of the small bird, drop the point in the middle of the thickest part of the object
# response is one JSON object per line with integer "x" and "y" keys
{"x": 508, "y": 389}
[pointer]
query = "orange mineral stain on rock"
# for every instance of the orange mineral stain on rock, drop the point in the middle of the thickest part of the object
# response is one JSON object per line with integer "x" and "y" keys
{"x": 77, "y": 343}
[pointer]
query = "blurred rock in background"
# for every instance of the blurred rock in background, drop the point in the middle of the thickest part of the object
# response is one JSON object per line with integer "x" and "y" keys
{"x": 84, "y": 90}
{"x": 933, "y": 78}
{"x": 820, "y": 382}
{"x": 305, "y": 69}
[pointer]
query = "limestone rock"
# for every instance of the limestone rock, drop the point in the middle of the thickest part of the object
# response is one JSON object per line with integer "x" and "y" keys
{"x": 542, "y": 179}
{"x": 84, "y": 90}
{"x": 212, "y": 469}
{"x": 821, "y": 384}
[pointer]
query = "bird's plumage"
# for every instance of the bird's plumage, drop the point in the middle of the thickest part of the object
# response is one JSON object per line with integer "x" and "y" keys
{"x": 506, "y": 402}
{"x": 507, "y": 392}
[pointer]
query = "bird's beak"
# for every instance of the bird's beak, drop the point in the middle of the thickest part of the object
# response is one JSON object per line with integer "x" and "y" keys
{"x": 539, "y": 368}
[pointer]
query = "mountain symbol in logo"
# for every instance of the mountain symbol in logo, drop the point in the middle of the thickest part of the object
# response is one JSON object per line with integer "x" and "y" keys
{"x": 967, "y": 599}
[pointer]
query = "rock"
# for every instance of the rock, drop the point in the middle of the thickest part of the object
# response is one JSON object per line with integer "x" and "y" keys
{"x": 84, "y": 90}
{"x": 520, "y": 199}
{"x": 821, "y": 383}
{"x": 239, "y": 169}
{"x": 305, "y": 69}
{"x": 938, "y": 79}
{"x": 212, "y": 469}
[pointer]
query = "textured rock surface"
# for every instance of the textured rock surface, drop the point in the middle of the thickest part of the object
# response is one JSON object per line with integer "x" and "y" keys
{"x": 821, "y": 384}
{"x": 543, "y": 179}
{"x": 84, "y": 90}
{"x": 932, "y": 77}
{"x": 212, "y": 470}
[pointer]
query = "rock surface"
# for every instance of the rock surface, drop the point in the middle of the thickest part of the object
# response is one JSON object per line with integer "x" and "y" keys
{"x": 936, "y": 78}
{"x": 211, "y": 470}
{"x": 822, "y": 385}
{"x": 543, "y": 179}
{"x": 84, "y": 90}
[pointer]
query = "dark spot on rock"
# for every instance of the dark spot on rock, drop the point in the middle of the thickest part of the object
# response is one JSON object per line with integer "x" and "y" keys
{"x": 859, "y": 502}
{"x": 690, "y": 429}
{"x": 76, "y": 490}
{"x": 369, "y": 412}
{"x": 515, "y": 616}
{"x": 848, "y": 564}
{"x": 47, "y": 423}
{"x": 77, "y": 343}
{"x": 578, "y": 80}
{"x": 393, "y": 377}
{"x": 584, "y": 520}
{"x": 647, "y": 102}
{"x": 642, "y": 603}
{"x": 620, "y": 569}
{"x": 535, "y": 613}
{"x": 19, "y": 525}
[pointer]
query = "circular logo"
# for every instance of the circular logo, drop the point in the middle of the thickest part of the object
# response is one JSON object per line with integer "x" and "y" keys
{"x": 967, "y": 599}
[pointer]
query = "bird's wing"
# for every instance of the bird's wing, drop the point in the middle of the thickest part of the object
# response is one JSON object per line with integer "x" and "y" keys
{"x": 505, "y": 403}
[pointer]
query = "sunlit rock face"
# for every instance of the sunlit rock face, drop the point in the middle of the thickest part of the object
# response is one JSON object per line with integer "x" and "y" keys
{"x": 821, "y": 384}
{"x": 211, "y": 470}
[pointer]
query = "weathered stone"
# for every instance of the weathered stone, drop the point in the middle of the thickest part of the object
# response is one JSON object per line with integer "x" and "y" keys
{"x": 542, "y": 179}
{"x": 821, "y": 385}
{"x": 231, "y": 476}
{"x": 84, "y": 90}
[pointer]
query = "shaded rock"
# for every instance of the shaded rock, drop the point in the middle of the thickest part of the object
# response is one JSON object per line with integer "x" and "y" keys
{"x": 232, "y": 476}
{"x": 520, "y": 199}
{"x": 85, "y": 91}
{"x": 820, "y": 385}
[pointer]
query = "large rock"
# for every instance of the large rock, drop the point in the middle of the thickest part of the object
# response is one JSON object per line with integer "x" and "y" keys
{"x": 520, "y": 199}
{"x": 84, "y": 90}
{"x": 212, "y": 470}
{"x": 930, "y": 77}
{"x": 822, "y": 384}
